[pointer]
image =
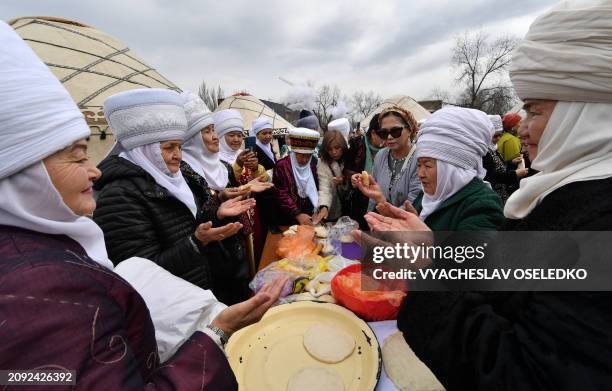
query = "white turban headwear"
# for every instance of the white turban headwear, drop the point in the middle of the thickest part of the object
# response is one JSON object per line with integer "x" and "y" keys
{"x": 567, "y": 56}
{"x": 38, "y": 118}
{"x": 457, "y": 138}
{"x": 206, "y": 163}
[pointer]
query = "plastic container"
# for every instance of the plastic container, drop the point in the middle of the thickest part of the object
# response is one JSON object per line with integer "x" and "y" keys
{"x": 371, "y": 305}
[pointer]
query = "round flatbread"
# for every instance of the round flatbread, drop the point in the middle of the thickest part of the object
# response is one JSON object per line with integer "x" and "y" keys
{"x": 328, "y": 343}
{"x": 315, "y": 378}
{"x": 404, "y": 368}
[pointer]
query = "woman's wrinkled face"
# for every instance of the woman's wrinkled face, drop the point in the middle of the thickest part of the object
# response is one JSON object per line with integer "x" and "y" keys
{"x": 390, "y": 122}
{"x": 427, "y": 170}
{"x": 210, "y": 138}
{"x": 172, "y": 154}
{"x": 265, "y": 136}
{"x": 72, "y": 174}
{"x": 234, "y": 140}
{"x": 302, "y": 158}
{"x": 532, "y": 127}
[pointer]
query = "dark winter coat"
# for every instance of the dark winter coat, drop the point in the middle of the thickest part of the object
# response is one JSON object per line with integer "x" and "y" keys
{"x": 473, "y": 208}
{"x": 522, "y": 340}
{"x": 142, "y": 219}
{"x": 263, "y": 159}
{"x": 228, "y": 265}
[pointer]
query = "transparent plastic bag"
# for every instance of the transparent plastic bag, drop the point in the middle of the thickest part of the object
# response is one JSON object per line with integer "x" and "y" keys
{"x": 341, "y": 233}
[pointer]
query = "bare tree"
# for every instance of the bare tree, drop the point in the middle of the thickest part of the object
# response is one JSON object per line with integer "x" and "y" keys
{"x": 479, "y": 61}
{"x": 439, "y": 94}
{"x": 211, "y": 96}
{"x": 326, "y": 98}
{"x": 498, "y": 99}
{"x": 363, "y": 103}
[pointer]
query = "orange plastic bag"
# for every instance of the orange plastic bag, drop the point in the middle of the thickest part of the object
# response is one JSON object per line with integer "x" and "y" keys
{"x": 377, "y": 303}
{"x": 298, "y": 245}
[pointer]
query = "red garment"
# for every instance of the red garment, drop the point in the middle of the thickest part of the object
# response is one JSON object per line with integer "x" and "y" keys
{"x": 59, "y": 308}
{"x": 289, "y": 202}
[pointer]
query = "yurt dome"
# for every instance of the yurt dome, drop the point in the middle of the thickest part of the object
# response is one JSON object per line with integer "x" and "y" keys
{"x": 403, "y": 101}
{"x": 92, "y": 65}
{"x": 251, "y": 108}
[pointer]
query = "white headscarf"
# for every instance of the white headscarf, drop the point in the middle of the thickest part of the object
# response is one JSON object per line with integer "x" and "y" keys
{"x": 38, "y": 118}
{"x": 259, "y": 124}
{"x": 150, "y": 159}
{"x": 450, "y": 179}
{"x": 497, "y": 122}
{"x": 206, "y": 163}
{"x": 304, "y": 181}
{"x": 576, "y": 146}
{"x": 342, "y": 125}
{"x": 30, "y": 201}
{"x": 227, "y": 121}
{"x": 457, "y": 138}
{"x": 566, "y": 55}
{"x": 226, "y": 153}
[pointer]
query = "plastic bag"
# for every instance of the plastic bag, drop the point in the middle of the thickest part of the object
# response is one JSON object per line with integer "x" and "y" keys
{"x": 379, "y": 303}
{"x": 341, "y": 232}
{"x": 299, "y": 271}
{"x": 338, "y": 263}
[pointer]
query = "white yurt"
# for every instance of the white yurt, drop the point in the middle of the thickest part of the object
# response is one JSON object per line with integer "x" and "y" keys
{"x": 250, "y": 108}
{"x": 403, "y": 101}
{"x": 91, "y": 65}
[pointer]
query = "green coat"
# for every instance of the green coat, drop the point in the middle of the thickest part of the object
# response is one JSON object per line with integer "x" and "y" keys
{"x": 473, "y": 208}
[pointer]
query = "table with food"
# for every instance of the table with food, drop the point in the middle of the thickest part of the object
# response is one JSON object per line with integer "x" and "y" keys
{"x": 326, "y": 333}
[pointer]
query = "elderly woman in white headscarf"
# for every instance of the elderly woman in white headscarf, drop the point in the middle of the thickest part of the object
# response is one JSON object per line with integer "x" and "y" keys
{"x": 199, "y": 166}
{"x": 60, "y": 299}
{"x": 449, "y": 154}
{"x": 145, "y": 206}
{"x": 562, "y": 70}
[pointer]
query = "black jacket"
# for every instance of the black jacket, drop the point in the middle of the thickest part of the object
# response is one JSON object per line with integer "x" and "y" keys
{"x": 228, "y": 265}
{"x": 263, "y": 159}
{"x": 141, "y": 219}
{"x": 522, "y": 340}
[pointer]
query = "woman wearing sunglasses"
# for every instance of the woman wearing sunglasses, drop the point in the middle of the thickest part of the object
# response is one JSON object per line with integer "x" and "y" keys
{"x": 394, "y": 175}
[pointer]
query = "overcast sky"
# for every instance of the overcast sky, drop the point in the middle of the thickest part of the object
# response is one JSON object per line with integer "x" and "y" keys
{"x": 391, "y": 47}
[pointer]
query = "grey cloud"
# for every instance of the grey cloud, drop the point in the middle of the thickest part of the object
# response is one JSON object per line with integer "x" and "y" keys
{"x": 250, "y": 43}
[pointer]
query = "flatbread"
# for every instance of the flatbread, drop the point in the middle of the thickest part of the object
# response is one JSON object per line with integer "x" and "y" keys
{"x": 315, "y": 378}
{"x": 328, "y": 343}
{"x": 404, "y": 368}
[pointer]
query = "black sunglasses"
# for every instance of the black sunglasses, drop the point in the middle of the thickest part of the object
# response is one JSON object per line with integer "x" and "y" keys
{"x": 395, "y": 132}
